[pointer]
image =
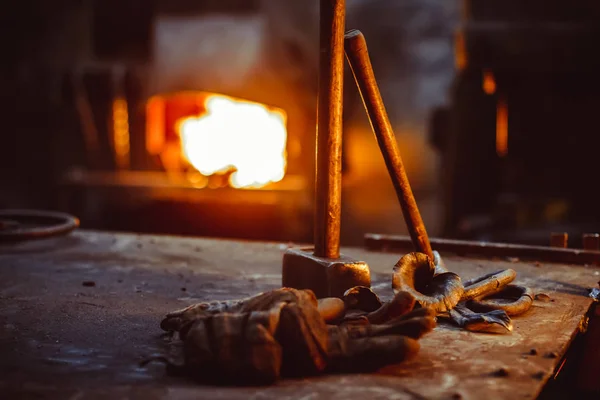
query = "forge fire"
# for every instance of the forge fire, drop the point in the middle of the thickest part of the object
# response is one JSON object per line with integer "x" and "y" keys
{"x": 217, "y": 134}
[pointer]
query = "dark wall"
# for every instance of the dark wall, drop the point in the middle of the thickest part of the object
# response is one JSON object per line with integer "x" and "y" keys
{"x": 30, "y": 100}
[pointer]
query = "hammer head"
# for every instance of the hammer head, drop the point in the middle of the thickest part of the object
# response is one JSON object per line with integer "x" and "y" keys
{"x": 326, "y": 277}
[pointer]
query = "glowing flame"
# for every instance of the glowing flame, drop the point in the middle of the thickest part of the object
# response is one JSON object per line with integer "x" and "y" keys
{"x": 502, "y": 127}
{"x": 121, "y": 132}
{"x": 489, "y": 82}
{"x": 235, "y": 135}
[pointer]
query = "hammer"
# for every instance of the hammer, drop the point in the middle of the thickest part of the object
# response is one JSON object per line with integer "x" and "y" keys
{"x": 360, "y": 63}
{"x": 323, "y": 269}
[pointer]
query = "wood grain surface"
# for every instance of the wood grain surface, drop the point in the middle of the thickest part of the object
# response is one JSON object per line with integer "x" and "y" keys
{"x": 78, "y": 313}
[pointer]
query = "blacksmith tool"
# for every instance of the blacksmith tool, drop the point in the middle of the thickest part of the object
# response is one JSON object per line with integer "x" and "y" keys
{"x": 360, "y": 63}
{"x": 323, "y": 269}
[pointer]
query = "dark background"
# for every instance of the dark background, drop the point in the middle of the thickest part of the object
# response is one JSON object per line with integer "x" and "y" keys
{"x": 430, "y": 58}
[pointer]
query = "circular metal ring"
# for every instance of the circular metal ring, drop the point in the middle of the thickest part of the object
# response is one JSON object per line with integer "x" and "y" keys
{"x": 21, "y": 225}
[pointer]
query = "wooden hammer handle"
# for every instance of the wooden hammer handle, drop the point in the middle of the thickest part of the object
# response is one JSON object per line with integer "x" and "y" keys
{"x": 328, "y": 186}
{"x": 360, "y": 63}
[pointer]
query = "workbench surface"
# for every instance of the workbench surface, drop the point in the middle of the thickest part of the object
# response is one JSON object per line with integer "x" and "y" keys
{"x": 78, "y": 314}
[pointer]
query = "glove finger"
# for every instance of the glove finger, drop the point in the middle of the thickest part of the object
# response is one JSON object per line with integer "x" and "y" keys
{"x": 413, "y": 328}
{"x": 175, "y": 320}
{"x": 370, "y": 353}
{"x": 303, "y": 336}
{"x": 361, "y": 298}
{"x": 416, "y": 313}
{"x": 402, "y": 303}
{"x": 354, "y": 320}
{"x": 331, "y": 309}
{"x": 233, "y": 348}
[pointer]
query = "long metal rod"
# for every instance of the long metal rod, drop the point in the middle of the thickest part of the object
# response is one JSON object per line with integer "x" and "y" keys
{"x": 398, "y": 244}
{"x": 329, "y": 129}
{"x": 358, "y": 58}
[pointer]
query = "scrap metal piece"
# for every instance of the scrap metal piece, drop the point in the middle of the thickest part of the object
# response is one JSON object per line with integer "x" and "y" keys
{"x": 512, "y": 299}
{"x": 483, "y": 304}
{"x": 416, "y": 274}
{"x": 488, "y": 284}
{"x": 439, "y": 263}
{"x": 496, "y": 321}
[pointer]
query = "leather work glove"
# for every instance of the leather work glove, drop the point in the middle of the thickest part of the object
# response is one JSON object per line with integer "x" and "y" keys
{"x": 288, "y": 332}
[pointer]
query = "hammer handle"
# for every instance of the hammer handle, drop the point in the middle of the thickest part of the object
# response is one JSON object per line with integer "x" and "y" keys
{"x": 328, "y": 186}
{"x": 360, "y": 63}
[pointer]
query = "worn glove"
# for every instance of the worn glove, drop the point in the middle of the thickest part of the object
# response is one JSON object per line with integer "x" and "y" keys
{"x": 285, "y": 332}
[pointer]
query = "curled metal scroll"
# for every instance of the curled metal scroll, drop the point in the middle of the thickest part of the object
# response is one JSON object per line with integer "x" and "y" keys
{"x": 22, "y": 225}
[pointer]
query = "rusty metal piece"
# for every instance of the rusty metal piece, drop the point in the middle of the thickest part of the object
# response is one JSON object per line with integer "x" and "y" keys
{"x": 488, "y": 284}
{"x": 559, "y": 239}
{"x": 395, "y": 243}
{"x": 329, "y": 130}
{"x": 360, "y": 63}
{"x": 512, "y": 299}
{"x": 491, "y": 313}
{"x": 483, "y": 304}
{"x": 326, "y": 277}
{"x": 416, "y": 274}
{"x": 20, "y": 225}
{"x": 591, "y": 241}
{"x": 495, "y": 321}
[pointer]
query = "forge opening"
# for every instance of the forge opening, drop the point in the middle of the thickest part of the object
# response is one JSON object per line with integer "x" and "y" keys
{"x": 217, "y": 140}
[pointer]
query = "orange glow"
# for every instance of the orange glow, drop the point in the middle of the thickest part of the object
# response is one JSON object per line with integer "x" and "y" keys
{"x": 155, "y": 125}
{"x": 121, "y": 132}
{"x": 460, "y": 51}
{"x": 489, "y": 82}
{"x": 501, "y": 127}
{"x": 235, "y": 135}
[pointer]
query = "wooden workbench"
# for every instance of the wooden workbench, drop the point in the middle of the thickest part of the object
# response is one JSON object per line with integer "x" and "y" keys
{"x": 78, "y": 313}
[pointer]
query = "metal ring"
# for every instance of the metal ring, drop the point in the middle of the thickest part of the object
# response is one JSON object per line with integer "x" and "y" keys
{"x": 35, "y": 224}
